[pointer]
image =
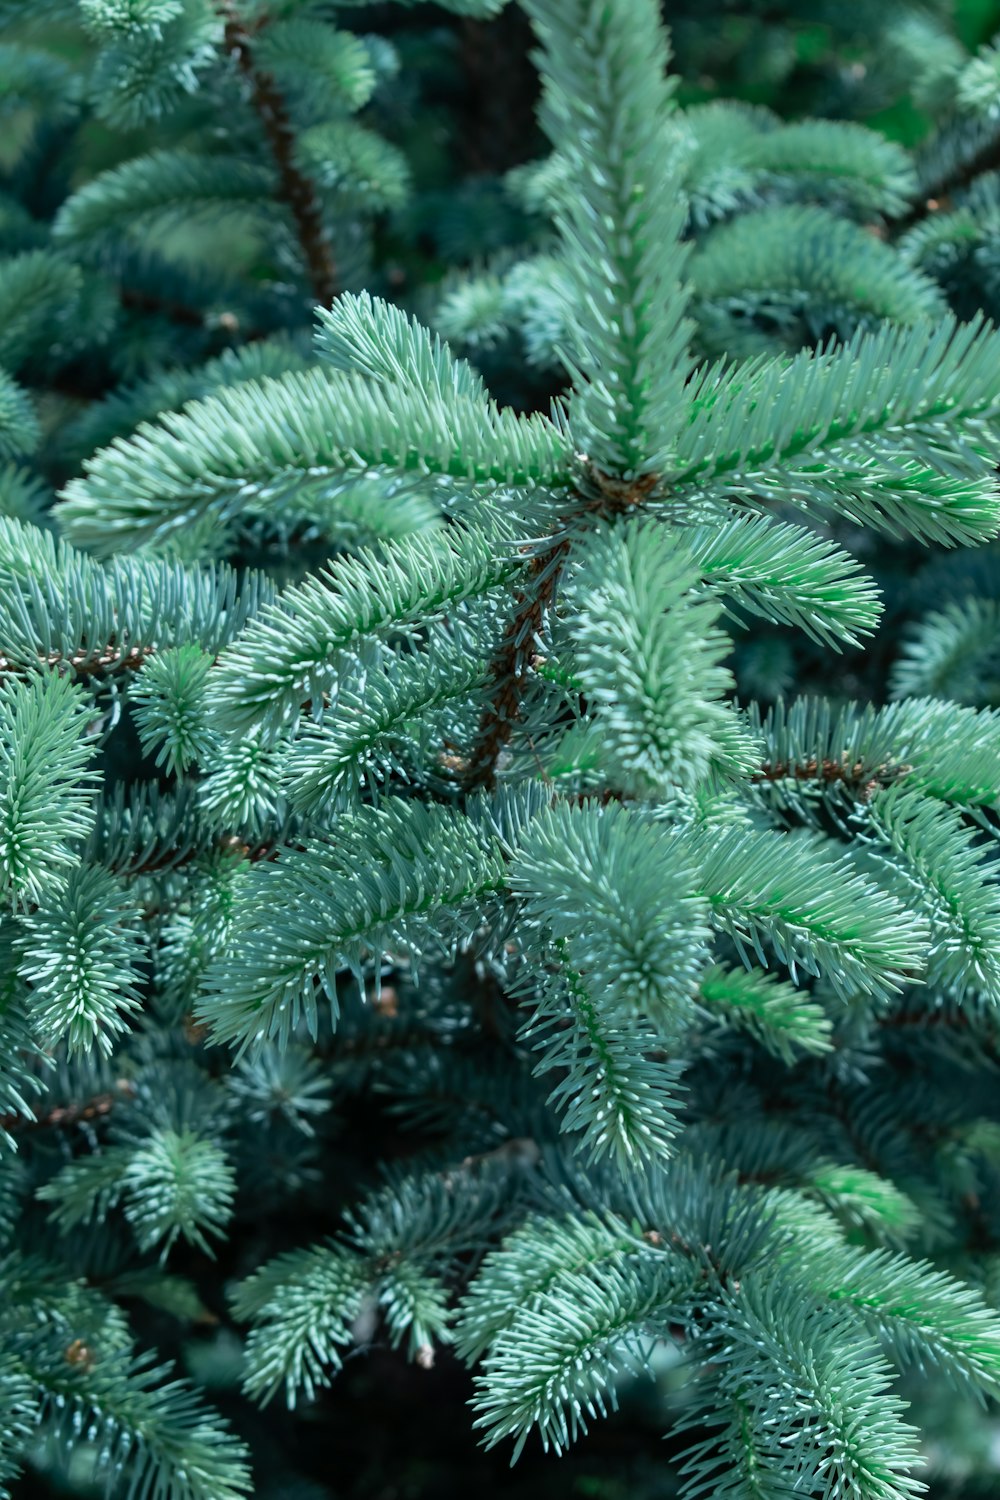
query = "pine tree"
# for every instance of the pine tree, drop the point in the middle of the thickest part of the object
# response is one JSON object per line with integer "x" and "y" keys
{"x": 687, "y": 1005}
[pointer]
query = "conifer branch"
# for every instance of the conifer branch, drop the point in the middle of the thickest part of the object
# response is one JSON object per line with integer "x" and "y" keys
{"x": 296, "y": 188}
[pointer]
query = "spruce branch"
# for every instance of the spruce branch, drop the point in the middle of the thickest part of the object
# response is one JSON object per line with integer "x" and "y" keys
{"x": 556, "y": 1367}
{"x": 606, "y": 105}
{"x": 46, "y": 784}
{"x": 285, "y": 445}
{"x": 165, "y": 189}
{"x": 617, "y": 1090}
{"x": 647, "y": 655}
{"x": 793, "y": 892}
{"x": 81, "y": 951}
{"x": 619, "y": 899}
{"x": 803, "y": 1403}
{"x": 297, "y": 650}
{"x": 393, "y": 876}
{"x": 153, "y": 1434}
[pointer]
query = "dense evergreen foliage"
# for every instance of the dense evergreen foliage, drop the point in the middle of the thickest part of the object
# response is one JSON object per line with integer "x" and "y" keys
{"x": 499, "y": 749}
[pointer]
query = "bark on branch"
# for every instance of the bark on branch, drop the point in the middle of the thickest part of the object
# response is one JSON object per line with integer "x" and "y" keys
{"x": 297, "y": 190}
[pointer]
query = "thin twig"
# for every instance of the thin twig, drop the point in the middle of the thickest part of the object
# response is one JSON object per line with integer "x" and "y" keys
{"x": 511, "y": 665}
{"x": 937, "y": 195}
{"x": 866, "y": 780}
{"x": 297, "y": 190}
{"x": 61, "y": 1115}
{"x": 148, "y": 302}
{"x": 88, "y": 663}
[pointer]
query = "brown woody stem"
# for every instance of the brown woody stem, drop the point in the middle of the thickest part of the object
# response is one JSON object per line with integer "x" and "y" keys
{"x": 146, "y": 302}
{"x": 297, "y": 190}
{"x": 70, "y": 1114}
{"x": 509, "y": 668}
{"x": 937, "y": 194}
{"x": 865, "y": 779}
{"x": 89, "y": 663}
